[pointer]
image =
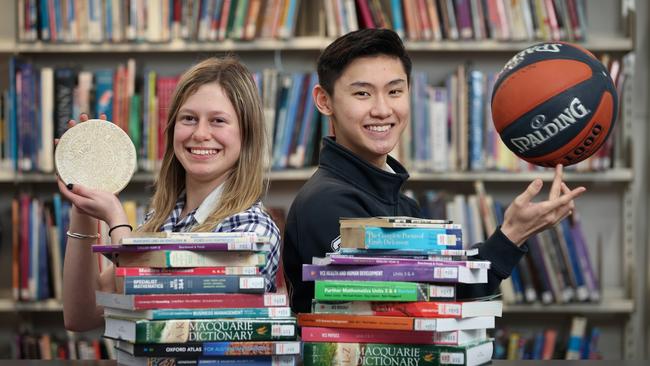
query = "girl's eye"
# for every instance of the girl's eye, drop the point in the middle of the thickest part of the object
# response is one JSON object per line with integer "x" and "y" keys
{"x": 187, "y": 119}
{"x": 218, "y": 121}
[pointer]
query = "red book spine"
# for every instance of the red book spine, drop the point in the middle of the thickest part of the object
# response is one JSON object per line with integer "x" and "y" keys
{"x": 317, "y": 334}
{"x": 366, "y": 17}
{"x": 198, "y": 271}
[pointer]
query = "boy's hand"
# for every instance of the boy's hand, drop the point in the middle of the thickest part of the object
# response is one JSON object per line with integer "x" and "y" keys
{"x": 523, "y": 218}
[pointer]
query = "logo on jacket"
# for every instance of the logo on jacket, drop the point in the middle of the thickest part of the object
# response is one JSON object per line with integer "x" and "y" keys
{"x": 336, "y": 244}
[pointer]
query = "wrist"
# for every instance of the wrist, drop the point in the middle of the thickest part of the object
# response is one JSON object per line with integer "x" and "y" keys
{"x": 512, "y": 234}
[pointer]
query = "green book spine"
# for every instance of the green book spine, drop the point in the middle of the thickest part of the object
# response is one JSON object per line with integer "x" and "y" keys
{"x": 214, "y": 330}
{"x": 367, "y": 354}
{"x": 370, "y": 291}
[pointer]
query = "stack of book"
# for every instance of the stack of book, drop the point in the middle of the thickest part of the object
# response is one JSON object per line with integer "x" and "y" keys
{"x": 196, "y": 298}
{"x": 389, "y": 294}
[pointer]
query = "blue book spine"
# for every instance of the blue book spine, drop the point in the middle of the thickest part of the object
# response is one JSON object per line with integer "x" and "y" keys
{"x": 308, "y": 115}
{"x": 292, "y": 110}
{"x": 12, "y": 148}
{"x": 273, "y": 312}
{"x": 58, "y": 18}
{"x": 104, "y": 92}
{"x": 538, "y": 346}
{"x": 43, "y": 260}
{"x": 226, "y": 284}
{"x": 476, "y": 120}
{"x": 398, "y": 18}
{"x": 108, "y": 21}
{"x": 573, "y": 256}
{"x": 45, "y": 24}
{"x": 413, "y": 238}
{"x": 58, "y": 222}
{"x": 518, "y": 288}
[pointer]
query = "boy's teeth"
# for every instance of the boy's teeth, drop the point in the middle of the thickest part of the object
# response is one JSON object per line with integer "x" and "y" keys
{"x": 379, "y": 128}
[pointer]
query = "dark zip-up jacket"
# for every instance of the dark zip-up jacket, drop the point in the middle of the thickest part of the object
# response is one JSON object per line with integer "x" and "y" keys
{"x": 347, "y": 186}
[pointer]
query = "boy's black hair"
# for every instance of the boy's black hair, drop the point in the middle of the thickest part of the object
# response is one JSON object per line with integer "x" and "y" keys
{"x": 362, "y": 43}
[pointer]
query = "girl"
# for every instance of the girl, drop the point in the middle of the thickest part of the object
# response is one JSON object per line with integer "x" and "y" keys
{"x": 211, "y": 179}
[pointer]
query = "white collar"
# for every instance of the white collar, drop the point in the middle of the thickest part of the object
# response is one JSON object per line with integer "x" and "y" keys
{"x": 208, "y": 205}
{"x": 387, "y": 168}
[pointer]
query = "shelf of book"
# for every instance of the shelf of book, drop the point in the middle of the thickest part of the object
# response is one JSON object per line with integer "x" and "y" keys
{"x": 8, "y": 305}
{"x": 607, "y": 176}
{"x": 594, "y": 44}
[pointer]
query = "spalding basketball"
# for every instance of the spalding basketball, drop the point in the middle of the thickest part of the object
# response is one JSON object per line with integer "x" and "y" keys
{"x": 554, "y": 103}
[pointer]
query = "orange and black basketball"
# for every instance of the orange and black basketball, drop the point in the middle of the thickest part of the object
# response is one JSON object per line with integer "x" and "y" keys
{"x": 554, "y": 103}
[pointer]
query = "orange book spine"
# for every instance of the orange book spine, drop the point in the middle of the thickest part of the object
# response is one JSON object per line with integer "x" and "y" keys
{"x": 355, "y": 321}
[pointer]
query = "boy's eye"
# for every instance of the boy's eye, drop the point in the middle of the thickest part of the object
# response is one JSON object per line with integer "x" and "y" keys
{"x": 396, "y": 92}
{"x": 362, "y": 93}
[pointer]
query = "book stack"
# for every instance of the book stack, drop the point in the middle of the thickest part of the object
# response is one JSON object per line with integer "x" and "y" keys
{"x": 389, "y": 294}
{"x": 196, "y": 298}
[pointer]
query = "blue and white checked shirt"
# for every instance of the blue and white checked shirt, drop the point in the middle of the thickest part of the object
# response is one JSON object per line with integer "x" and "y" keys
{"x": 253, "y": 219}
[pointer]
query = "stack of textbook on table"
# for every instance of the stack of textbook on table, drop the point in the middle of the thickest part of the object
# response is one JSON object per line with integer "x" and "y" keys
{"x": 389, "y": 294}
{"x": 196, "y": 298}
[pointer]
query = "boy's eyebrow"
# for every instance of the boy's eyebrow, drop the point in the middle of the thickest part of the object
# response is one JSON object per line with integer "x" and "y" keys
{"x": 365, "y": 84}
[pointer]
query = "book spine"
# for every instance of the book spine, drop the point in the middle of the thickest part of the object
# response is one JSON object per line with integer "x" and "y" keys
{"x": 395, "y": 272}
{"x": 367, "y": 354}
{"x": 431, "y": 309}
{"x": 269, "y": 312}
{"x": 370, "y": 291}
{"x": 220, "y": 247}
{"x": 199, "y": 271}
{"x": 193, "y": 284}
{"x": 318, "y": 334}
{"x": 206, "y": 301}
{"x": 411, "y": 238}
{"x": 209, "y": 330}
{"x": 375, "y": 261}
{"x": 259, "y": 348}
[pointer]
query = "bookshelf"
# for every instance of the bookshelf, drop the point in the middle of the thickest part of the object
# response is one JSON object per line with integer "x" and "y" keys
{"x": 619, "y": 191}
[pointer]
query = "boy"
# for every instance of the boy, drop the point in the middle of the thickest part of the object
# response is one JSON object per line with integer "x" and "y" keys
{"x": 364, "y": 80}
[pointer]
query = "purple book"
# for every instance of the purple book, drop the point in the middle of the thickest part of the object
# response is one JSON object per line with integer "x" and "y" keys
{"x": 591, "y": 279}
{"x": 215, "y": 247}
{"x": 344, "y": 260}
{"x": 394, "y": 272}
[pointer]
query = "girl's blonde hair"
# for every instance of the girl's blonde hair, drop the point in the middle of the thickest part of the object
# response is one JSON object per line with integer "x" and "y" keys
{"x": 245, "y": 184}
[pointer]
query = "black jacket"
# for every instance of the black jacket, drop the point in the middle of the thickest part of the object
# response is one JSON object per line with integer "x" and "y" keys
{"x": 347, "y": 186}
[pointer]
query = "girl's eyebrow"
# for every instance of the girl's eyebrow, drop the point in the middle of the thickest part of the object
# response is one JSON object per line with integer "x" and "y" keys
{"x": 213, "y": 112}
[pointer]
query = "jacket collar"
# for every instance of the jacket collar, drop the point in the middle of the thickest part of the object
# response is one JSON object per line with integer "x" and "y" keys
{"x": 358, "y": 172}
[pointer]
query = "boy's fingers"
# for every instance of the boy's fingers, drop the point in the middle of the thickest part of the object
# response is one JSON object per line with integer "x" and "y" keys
{"x": 531, "y": 191}
{"x": 557, "y": 183}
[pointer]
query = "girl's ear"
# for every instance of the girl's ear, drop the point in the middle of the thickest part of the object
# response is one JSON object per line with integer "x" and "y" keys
{"x": 322, "y": 100}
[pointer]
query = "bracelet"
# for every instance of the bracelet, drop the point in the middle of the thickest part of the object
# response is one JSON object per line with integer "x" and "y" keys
{"x": 81, "y": 236}
{"x": 120, "y": 225}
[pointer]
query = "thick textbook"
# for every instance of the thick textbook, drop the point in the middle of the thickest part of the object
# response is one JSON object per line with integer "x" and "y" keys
{"x": 126, "y": 359}
{"x": 209, "y": 246}
{"x": 200, "y": 330}
{"x": 421, "y": 309}
{"x": 211, "y": 284}
{"x": 190, "y": 301}
{"x": 370, "y": 237}
{"x": 354, "y": 321}
{"x": 197, "y": 271}
{"x": 259, "y": 348}
{"x": 370, "y": 354}
{"x": 396, "y": 222}
{"x": 185, "y": 258}
{"x": 395, "y": 272}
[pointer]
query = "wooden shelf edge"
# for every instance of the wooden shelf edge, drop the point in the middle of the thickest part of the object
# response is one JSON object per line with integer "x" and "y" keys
{"x": 598, "y": 44}
{"x": 610, "y": 176}
{"x": 618, "y": 306}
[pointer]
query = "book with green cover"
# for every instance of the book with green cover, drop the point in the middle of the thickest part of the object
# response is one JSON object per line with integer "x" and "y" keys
{"x": 366, "y": 354}
{"x": 370, "y": 291}
{"x": 200, "y": 330}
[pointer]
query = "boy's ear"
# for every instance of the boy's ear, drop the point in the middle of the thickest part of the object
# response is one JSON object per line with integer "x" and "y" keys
{"x": 322, "y": 100}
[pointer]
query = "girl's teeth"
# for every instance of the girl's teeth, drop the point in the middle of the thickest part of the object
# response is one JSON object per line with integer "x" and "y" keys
{"x": 203, "y": 152}
{"x": 383, "y": 128}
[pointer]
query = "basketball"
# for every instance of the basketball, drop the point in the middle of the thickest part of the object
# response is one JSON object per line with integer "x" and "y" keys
{"x": 554, "y": 103}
